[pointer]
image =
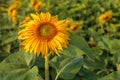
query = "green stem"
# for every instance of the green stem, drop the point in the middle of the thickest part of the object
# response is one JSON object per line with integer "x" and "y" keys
{"x": 46, "y": 67}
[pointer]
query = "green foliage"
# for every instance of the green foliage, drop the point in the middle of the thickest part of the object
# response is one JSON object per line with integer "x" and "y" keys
{"x": 64, "y": 66}
{"x": 17, "y": 67}
{"x": 92, "y": 53}
{"x": 79, "y": 42}
{"x": 112, "y": 76}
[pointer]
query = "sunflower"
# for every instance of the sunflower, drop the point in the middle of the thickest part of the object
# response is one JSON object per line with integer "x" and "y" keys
{"x": 11, "y": 9}
{"x": 74, "y": 27}
{"x": 14, "y": 19}
{"x": 14, "y": 13}
{"x": 38, "y": 6}
{"x": 33, "y": 3}
{"x": 44, "y": 33}
{"x": 105, "y": 17}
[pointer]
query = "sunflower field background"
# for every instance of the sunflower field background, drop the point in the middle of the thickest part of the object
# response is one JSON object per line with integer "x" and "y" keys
{"x": 93, "y": 51}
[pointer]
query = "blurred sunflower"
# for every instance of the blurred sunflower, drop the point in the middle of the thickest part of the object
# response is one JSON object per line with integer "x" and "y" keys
{"x": 13, "y": 16}
{"x": 105, "y": 17}
{"x": 74, "y": 27}
{"x": 12, "y": 10}
{"x": 67, "y": 24}
{"x": 33, "y": 3}
{"x": 36, "y": 5}
{"x": 14, "y": 19}
{"x": 13, "y": 7}
{"x": 14, "y": 13}
{"x": 44, "y": 33}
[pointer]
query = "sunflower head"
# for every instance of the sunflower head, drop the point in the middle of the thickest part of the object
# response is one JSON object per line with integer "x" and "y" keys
{"x": 44, "y": 33}
{"x": 38, "y": 6}
{"x": 74, "y": 27}
{"x": 11, "y": 9}
{"x": 14, "y": 13}
{"x": 105, "y": 17}
{"x": 14, "y": 19}
{"x": 68, "y": 23}
{"x": 33, "y": 3}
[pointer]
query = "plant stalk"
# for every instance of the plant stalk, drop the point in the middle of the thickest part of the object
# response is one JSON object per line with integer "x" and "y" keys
{"x": 47, "y": 67}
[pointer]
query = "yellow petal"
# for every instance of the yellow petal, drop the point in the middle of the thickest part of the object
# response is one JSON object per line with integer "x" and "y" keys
{"x": 35, "y": 17}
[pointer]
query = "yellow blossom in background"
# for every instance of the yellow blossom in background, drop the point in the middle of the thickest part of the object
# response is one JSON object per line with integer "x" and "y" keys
{"x": 36, "y": 5}
{"x": 13, "y": 7}
{"x": 67, "y": 24}
{"x": 105, "y": 17}
{"x": 74, "y": 27}
{"x": 13, "y": 16}
{"x": 33, "y": 3}
{"x": 44, "y": 33}
{"x": 14, "y": 19}
{"x": 14, "y": 13}
{"x": 12, "y": 10}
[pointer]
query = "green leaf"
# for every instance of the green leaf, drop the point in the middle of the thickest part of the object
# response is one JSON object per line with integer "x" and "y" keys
{"x": 115, "y": 45}
{"x": 111, "y": 45}
{"x": 66, "y": 68}
{"x": 19, "y": 58}
{"x": 85, "y": 74}
{"x": 105, "y": 43}
{"x": 112, "y": 76}
{"x": 72, "y": 51}
{"x": 17, "y": 67}
{"x": 80, "y": 43}
{"x": 9, "y": 37}
{"x": 116, "y": 56}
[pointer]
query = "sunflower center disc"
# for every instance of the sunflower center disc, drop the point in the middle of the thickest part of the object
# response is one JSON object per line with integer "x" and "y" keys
{"x": 46, "y": 30}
